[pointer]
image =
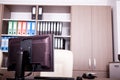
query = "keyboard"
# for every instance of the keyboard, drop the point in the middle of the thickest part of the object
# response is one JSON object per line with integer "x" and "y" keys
{"x": 53, "y": 78}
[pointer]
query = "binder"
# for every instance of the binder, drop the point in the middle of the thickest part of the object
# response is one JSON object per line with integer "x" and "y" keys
{"x": 57, "y": 31}
{"x": 33, "y": 28}
{"x": 14, "y": 30}
{"x": 58, "y": 43}
{"x": 6, "y": 44}
{"x": 38, "y": 28}
{"x": 24, "y": 26}
{"x": 39, "y": 13}
{"x": 19, "y": 28}
{"x": 41, "y": 27}
{"x": 55, "y": 43}
{"x": 48, "y": 27}
{"x": 10, "y": 26}
{"x": 3, "y": 44}
{"x": 51, "y": 28}
{"x": 61, "y": 43}
{"x": 60, "y": 28}
{"x": 54, "y": 25}
{"x": 34, "y": 12}
{"x": 29, "y": 25}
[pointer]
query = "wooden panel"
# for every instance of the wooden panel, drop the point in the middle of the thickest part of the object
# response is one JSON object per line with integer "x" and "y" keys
{"x": 1, "y": 16}
{"x": 101, "y": 37}
{"x": 99, "y": 74}
{"x": 81, "y": 36}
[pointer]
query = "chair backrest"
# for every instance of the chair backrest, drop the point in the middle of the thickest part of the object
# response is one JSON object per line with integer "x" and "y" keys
{"x": 1, "y": 57}
{"x": 63, "y": 64}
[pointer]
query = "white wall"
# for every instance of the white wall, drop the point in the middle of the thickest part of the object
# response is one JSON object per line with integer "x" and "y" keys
{"x": 57, "y": 2}
{"x": 116, "y": 27}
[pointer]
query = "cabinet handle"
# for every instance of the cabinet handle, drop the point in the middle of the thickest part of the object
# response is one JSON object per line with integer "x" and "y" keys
{"x": 89, "y": 63}
{"x": 94, "y": 61}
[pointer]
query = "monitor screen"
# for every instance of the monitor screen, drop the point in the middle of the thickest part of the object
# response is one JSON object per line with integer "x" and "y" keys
{"x": 34, "y": 53}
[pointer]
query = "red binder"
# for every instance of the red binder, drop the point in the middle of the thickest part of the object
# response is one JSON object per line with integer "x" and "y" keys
{"x": 19, "y": 27}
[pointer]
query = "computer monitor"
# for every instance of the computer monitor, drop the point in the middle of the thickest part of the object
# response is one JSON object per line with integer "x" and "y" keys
{"x": 30, "y": 53}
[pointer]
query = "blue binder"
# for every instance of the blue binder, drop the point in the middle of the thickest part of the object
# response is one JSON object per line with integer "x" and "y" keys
{"x": 29, "y": 25}
{"x": 33, "y": 28}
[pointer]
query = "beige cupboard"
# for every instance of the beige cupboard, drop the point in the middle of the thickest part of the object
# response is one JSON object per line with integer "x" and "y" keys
{"x": 91, "y": 39}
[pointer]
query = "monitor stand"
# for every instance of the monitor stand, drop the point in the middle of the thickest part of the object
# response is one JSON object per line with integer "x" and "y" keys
{"x": 19, "y": 73}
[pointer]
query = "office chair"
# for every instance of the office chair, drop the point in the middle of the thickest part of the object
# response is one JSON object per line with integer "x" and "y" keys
{"x": 1, "y": 57}
{"x": 63, "y": 64}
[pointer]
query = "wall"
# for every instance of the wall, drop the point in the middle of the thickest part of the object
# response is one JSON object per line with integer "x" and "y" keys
{"x": 57, "y": 2}
{"x": 116, "y": 27}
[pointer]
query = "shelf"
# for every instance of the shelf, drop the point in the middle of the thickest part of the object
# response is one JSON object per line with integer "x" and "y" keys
{"x": 13, "y": 35}
{"x": 17, "y": 20}
{"x": 59, "y": 36}
{"x": 36, "y": 20}
{"x": 53, "y": 20}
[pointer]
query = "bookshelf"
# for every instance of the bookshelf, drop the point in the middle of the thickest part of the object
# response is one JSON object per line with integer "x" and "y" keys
{"x": 52, "y": 16}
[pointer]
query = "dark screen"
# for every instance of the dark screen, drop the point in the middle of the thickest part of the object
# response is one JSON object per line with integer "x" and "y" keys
{"x": 38, "y": 54}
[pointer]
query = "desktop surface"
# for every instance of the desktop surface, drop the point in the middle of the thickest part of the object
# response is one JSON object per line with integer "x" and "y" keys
{"x": 47, "y": 78}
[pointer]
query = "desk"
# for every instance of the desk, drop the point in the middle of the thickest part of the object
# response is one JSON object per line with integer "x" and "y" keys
{"x": 47, "y": 78}
{"x": 101, "y": 79}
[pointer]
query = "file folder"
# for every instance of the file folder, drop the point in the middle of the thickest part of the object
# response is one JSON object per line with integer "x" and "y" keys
{"x": 38, "y": 28}
{"x": 19, "y": 28}
{"x": 48, "y": 27}
{"x": 3, "y": 44}
{"x": 24, "y": 26}
{"x": 6, "y": 44}
{"x": 57, "y": 31}
{"x": 33, "y": 28}
{"x": 39, "y": 13}
{"x": 60, "y": 28}
{"x": 29, "y": 25}
{"x": 52, "y": 28}
{"x": 58, "y": 43}
{"x": 41, "y": 27}
{"x": 10, "y": 26}
{"x": 34, "y": 12}
{"x": 14, "y": 30}
{"x": 55, "y": 45}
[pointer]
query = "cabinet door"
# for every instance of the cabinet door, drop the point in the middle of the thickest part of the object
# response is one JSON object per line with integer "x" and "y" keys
{"x": 81, "y": 37}
{"x": 101, "y": 37}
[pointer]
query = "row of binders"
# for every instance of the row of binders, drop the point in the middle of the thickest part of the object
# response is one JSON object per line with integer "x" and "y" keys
{"x": 34, "y": 12}
{"x": 21, "y": 27}
{"x": 59, "y": 43}
{"x": 50, "y": 28}
{"x": 4, "y": 43}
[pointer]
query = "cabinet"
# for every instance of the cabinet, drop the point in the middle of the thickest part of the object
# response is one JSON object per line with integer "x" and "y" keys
{"x": 53, "y": 18}
{"x": 91, "y": 39}
{"x": 23, "y": 13}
